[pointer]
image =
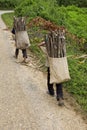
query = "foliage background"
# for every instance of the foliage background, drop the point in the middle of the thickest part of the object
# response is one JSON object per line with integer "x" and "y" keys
{"x": 10, "y": 4}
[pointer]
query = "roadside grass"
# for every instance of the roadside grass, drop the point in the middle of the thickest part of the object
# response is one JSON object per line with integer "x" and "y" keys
{"x": 8, "y": 19}
{"x": 77, "y": 86}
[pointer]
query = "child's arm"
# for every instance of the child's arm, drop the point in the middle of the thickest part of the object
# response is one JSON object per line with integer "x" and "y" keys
{"x": 42, "y": 44}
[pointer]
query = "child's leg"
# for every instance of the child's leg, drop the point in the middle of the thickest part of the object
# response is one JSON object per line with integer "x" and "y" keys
{"x": 24, "y": 52}
{"x": 50, "y": 86}
{"x": 59, "y": 93}
{"x": 16, "y": 53}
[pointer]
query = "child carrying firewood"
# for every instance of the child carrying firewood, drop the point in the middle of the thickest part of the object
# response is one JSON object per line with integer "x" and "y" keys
{"x": 21, "y": 37}
{"x": 24, "y": 51}
{"x": 57, "y": 67}
{"x": 50, "y": 86}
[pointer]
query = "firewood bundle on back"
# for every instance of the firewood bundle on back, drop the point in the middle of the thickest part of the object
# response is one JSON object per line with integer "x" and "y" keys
{"x": 19, "y": 24}
{"x": 21, "y": 36}
{"x": 56, "y": 49}
{"x": 55, "y": 44}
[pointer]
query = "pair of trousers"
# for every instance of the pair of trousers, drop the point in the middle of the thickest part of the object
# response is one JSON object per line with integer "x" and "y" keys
{"x": 59, "y": 87}
{"x": 23, "y": 52}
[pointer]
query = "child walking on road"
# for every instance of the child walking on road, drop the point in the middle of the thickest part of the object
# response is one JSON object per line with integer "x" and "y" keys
{"x": 21, "y": 37}
{"x": 57, "y": 67}
{"x": 59, "y": 87}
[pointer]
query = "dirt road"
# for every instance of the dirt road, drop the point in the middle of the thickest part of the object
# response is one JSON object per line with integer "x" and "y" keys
{"x": 24, "y": 104}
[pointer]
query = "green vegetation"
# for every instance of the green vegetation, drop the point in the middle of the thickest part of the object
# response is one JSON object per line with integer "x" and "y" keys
{"x": 79, "y": 3}
{"x": 72, "y": 18}
{"x": 78, "y": 84}
{"x": 76, "y": 22}
{"x": 8, "y": 19}
{"x": 9, "y": 4}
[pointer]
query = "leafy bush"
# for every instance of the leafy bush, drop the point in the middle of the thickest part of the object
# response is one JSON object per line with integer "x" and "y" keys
{"x": 9, "y": 4}
{"x": 78, "y": 84}
{"x": 8, "y": 18}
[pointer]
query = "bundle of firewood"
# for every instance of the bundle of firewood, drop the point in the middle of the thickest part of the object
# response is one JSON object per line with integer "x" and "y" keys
{"x": 19, "y": 24}
{"x": 21, "y": 36}
{"x": 55, "y": 44}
